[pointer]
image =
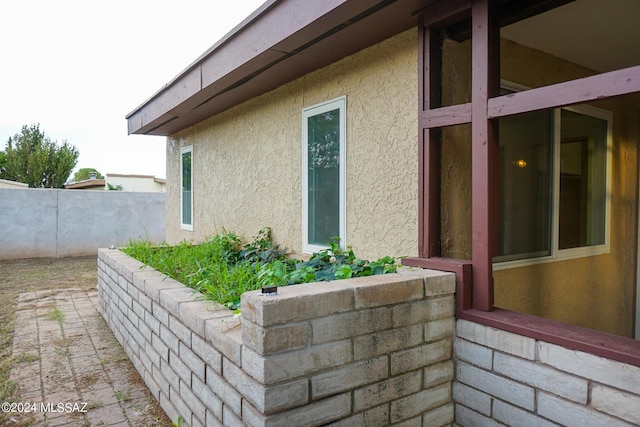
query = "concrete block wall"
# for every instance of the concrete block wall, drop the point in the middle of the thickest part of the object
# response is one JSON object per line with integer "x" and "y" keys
{"x": 38, "y": 222}
{"x": 507, "y": 379}
{"x": 356, "y": 352}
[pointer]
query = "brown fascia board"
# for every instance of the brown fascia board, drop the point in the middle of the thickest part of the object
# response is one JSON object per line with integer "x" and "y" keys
{"x": 281, "y": 41}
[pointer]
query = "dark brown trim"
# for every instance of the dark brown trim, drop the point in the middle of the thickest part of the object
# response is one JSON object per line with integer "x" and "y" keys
{"x": 280, "y": 42}
{"x": 586, "y": 89}
{"x": 441, "y": 14}
{"x": 429, "y": 142}
{"x": 613, "y": 347}
{"x": 508, "y": 12}
{"x": 474, "y": 287}
{"x": 485, "y": 83}
{"x": 447, "y": 116}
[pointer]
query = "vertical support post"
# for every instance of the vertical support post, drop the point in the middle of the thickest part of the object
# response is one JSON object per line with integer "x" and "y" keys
{"x": 485, "y": 83}
{"x": 430, "y": 60}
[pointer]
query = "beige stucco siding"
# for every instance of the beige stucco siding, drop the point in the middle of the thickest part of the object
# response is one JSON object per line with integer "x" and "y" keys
{"x": 247, "y": 161}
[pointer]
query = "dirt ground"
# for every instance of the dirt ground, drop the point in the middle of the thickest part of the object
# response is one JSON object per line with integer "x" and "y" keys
{"x": 28, "y": 275}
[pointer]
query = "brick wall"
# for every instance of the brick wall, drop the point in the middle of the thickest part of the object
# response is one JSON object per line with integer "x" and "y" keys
{"x": 506, "y": 378}
{"x": 357, "y": 352}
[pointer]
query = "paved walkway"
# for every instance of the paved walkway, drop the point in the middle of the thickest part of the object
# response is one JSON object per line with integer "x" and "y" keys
{"x": 69, "y": 368}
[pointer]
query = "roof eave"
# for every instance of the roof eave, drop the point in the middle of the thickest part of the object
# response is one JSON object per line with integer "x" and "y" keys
{"x": 282, "y": 40}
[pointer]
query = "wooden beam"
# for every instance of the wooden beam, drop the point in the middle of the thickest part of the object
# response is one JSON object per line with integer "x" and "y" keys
{"x": 430, "y": 58}
{"x": 485, "y": 83}
{"x": 605, "y": 85}
{"x": 446, "y": 116}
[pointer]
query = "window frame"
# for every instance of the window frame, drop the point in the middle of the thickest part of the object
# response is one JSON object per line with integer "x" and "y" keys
{"x": 557, "y": 254}
{"x": 339, "y": 103}
{"x": 183, "y": 225}
{"x": 474, "y": 281}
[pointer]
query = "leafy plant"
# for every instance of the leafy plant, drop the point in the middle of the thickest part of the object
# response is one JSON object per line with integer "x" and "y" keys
{"x": 222, "y": 269}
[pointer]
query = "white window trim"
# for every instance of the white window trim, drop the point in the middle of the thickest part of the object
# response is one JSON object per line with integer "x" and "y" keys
{"x": 341, "y": 104}
{"x": 183, "y": 226}
{"x": 572, "y": 253}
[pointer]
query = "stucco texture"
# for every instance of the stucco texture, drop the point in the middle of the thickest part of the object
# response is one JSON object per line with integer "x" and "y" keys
{"x": 597, "y": 291}
{"x": 247, "y": 161}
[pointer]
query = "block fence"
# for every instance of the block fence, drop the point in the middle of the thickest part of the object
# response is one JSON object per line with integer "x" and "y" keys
{"x": 355, "y": 352}
{"x": 48, "y": 222}
{"x": 519, "y": 381}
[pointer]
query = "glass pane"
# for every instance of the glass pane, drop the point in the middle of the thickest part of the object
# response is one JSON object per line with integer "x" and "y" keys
{"x": 526, "y": 147}
{"x": 324, "y": 177}
{"x": 186, "y": 188}
{"x": 582, "y": 180}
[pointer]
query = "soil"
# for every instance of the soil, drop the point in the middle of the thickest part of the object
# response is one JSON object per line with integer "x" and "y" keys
{"x": 28, "y": 275}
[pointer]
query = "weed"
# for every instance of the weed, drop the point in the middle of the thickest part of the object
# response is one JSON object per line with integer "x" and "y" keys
{"x": 6, "y": 390}
{"x": 61, "y": 350}
{"x": 179, "y": 422}
{"x": 95, "y": 404}
{"x": 55, "y": 314}
{"x": 27, "y": 357}
{"x": 122, "y": 396}
{"x": 222, "y": 270}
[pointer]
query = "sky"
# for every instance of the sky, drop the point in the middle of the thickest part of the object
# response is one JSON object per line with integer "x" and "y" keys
{"x": 79, "y": 67}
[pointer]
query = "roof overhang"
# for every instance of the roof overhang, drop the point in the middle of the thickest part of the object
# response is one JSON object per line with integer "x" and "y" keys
{"x": 281, "y": 41}
{"x": 286, "y": 39}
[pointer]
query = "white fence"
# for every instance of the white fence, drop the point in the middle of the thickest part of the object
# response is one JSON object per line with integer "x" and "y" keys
{"x": 56, "y": 223}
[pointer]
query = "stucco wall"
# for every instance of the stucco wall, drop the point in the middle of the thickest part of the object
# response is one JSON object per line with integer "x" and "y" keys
{"x": 247, "y": 161}
{"x": 595, "y": 292}
{"x": 57, "y": 223}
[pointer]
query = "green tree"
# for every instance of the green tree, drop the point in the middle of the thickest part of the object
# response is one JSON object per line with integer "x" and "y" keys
{"x": 85, "y": 173}
{"x": 3, "y": 163}
{"x": 31, "y": 157}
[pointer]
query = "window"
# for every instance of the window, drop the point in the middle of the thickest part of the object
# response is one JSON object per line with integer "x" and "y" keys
{"x": 186, "y": 197}
{"x": 323, "y": 183}
{"x": 554, "y": 178}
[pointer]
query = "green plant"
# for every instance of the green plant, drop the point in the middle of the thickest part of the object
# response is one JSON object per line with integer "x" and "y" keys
{"x": 179, "y": 422}
{"x": 122, "y": 396}
{"x": 28, "y": 357}
{"x": 332, "y": 263}
{"x": 55, "y": 314}
{"x": 222, "y": 269}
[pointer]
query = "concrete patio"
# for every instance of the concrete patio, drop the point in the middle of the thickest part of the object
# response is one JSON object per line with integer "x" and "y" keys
{"x": 69, "y": 369}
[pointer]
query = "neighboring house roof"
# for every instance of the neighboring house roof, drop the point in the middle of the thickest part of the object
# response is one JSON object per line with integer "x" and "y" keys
{"x": 5, "y": 183}
{"x": 282, "y": 40}
{"x": 87, "y": 184}
{"x": 153, "y": 177}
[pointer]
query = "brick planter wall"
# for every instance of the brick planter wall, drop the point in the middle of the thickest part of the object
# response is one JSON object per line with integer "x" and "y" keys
{"x": 357, "y": 352}
{"x": 519, "y": 381}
